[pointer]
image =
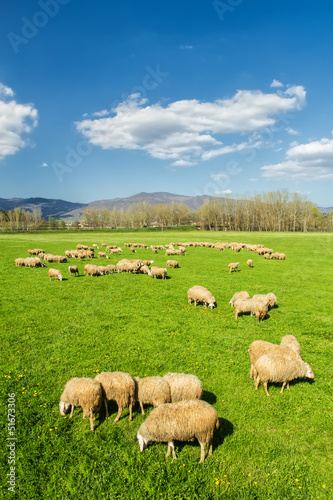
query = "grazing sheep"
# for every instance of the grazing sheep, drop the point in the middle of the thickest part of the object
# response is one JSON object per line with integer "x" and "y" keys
{"x": 92, "y": 270}
{"x": 95, "y": 246}
{"x": 144, "y": 270}
{"x": 73, "y": 270}
{"x": 147, "y": 262}
{"x": 259, "y": 309}
{"x": 250, "y": 263}
{"x": 19, "y": 262}
{"x": 172, "y": 263}
{"x": 84, "y": 392}
{"x": 269, "y": 299}
{"x": 132, "y": 249}
{"x": 183, "y": 386}
{"x": 233, "y": 266}
{"x": 260, "y": 347}
{"x": 292, "y": 343}
{"x": 102, "y": 254}
{"x": 55, "y": 273}
{"x": 118, "y": 387}
{"x": 111, "y": 268}
{"x": 239, "y": 295}
{"x": 282, "y": 256}
{"x": 152, "y": 391}
{"x": 201, "y": 294}
{"x": 182, "y": 421}
{"x": 104, "y": 270}
{"x": 158, "y": 272}
{"x": 276, "y": 368}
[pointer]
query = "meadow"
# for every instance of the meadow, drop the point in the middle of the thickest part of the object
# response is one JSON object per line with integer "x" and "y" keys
{"x": 266, "y": 448}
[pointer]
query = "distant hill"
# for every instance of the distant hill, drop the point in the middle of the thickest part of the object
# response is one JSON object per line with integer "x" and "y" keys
{"x": 66, "y": 209}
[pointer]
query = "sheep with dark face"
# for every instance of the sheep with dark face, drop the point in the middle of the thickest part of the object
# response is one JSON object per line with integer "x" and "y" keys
{"x": 73, "y": 270}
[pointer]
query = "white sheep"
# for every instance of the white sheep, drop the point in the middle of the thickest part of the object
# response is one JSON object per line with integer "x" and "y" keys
{"x": 156, "y": 271}
{"x": 172, "y": 263}
{"x": 260, "y": 347}
{"x": 249, "y": 263}
{"x": 73, "y": 270}
{"x": 118, "y": 387}
{"x": 183, "y": 386}
{"x": 84, "y": 392}
{"x": 239, "y": 295}
{"x": 292, "y": 343}
{"x": 152, "y": 391}
{"x": 55, "y": 273}
{"x": 19, "y": 262}
{"x": 102, "y": 254}
{"x": 92, "y": 270}
{"x": 182, "y": 421}
{"x": 259, "y": 309}
{"x": 276, "y": 368}
{"x": 233, "y": 266}
{"x": 201, "y": 294}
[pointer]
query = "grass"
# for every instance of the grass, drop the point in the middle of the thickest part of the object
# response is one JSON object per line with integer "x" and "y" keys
{"x": 266, "y": 448}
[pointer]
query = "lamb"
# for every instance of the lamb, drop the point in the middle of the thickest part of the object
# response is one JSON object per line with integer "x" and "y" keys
{"x": 19, "y": 262}
{"x": 260, "y": 347}
{"x": 292, "y": 343}
{"x": 251, "y": 306}
{"x": 84, "y": 392}
{"x": 152, "y": 391}
{"x": 118, "y": 387}
{"x": 249, "y": 263}
{"x": 201, "y": 294}
{"x": 55, "y": 273}
{"x": 183, "y": 386}
{"x": 233, "y": 266}
{"x": 276, "y": 368}
{"x": 239, "y": 295}
{"x": 158, "y": 271}
{"x": 182, "y": 421}
{"x": 102, "y": 254}
{"x": 172, "y": 263}
{"x": 73, "y": 270}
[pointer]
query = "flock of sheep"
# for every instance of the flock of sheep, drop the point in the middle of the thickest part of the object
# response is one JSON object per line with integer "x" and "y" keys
{"x": 179, "y": 413}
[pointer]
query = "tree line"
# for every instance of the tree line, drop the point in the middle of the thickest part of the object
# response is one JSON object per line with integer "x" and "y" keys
{"x": 274, "y": 211}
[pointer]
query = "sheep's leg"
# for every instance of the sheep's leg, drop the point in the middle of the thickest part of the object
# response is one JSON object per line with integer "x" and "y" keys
{"x": 118, "y": 414}
{"x": 130, "y": 412}
{"x": 203, "y": 451}
{"x": 189, "y": 301}
{"x": 106, "y": 408}
{"x": 266, "y": 389}
{"x": 91, "y": 423}
{"x": 171, "y": 447}
{"x": 72, "y": 409}
{"x": 288, "y": 386}
{"x": 283, "y": 386}
{"x": 141, "y": 406}
{"x": 195, "y": 302}
{"x": 256, "y": 382}
{"x": 210, "y": 447}
{"x": 236, "y": 314}
{"x": 251, "y": 371}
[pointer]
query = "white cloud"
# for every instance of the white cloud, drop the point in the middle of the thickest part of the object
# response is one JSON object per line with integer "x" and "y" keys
{"x": 186, "y": 47}
{"x": 224, "y": 191}
{"x": 185, "y": 132}
{"x": 304, "y": 162}
{"x": 16, "y": 120}
{"x": 44, "y": 164}
{"x": 292, "y": 131}
{"x": 275, "y": 83}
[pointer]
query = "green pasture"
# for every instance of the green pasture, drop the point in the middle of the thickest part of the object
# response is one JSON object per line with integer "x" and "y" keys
{"x": 266, "y": 448}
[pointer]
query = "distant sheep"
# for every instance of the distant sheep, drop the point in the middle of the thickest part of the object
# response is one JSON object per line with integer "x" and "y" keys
{"x": 201, "y": 294}
{"x": 172, "y": 263}
{"x": 118, "y": 387}
{"x": 275, "y": 368}
{"x": 102, "y": 254}
{"x": 152, "y": 391}
{"x": 183, "y": 386}
{"x": 55, "y": 273}
{"x": 84, "y": 392}
{"x": 249, "y": 263}
{"x": 239, "y": 295}
{"x": 233, "y": 266}
{"x": 73, "y": 270}
{"x": 158, "y": 272}
{"x": 181, "y": 421}
{"x": 19, "y": 262}
{"x": 92, "y": 270}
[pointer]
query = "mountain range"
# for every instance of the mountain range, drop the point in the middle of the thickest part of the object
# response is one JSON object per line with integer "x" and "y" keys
{"x": 66, "y": 209}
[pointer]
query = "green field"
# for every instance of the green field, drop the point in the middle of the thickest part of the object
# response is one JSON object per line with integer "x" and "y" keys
{"x": 266, "y": 448}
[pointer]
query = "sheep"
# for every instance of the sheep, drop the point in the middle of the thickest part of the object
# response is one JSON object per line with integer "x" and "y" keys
{"x": 269, "y": 299}
{"x": 249, "y": 263}
{"x": 84, "y": 392}
{"x": 292, "y": 343}
{"x": 238, "y": 295}
{"x": 260, "y": 347}
{"x": 282, "y": 256}
{"x": 158, "y": 271}
{"x": 95, "y": 246}
{"x": 102, "y": 254}
{"x": 201, "y": 294}
{"x": 152, "y": 391}
{"x": 118, "y": 387}
{"x": 144, "y": 270}
{"x": 169, "y": 251}
{"x": 104, "y": 270}
{"x": 276, "y": 368}
{"x": 233, "y": 266}
{"x": 183, "y": 386}
{"x": 172, "y": 263}
{"x": 132, "y": 249}
{"x": 147, "y": 262}
{"x": 115, "y": 250}
{"x": 55, "y": 273}
{"x": 92, "y": 270}
{"x": 259, "y": 309}
{"x": 73, "y": 270}
{"x": 182, "y": 421}
{"x": 111, "y": 268}
{"x": 19, "y": 262}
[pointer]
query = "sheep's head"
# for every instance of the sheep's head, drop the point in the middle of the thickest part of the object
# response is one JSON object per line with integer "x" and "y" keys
{"x": 63, "y": 408}
{"x": 60, "y": 277}
{"x": 212, "y": 304}
{"x": 309, "y": 372}
{"x": 142, "y": 442}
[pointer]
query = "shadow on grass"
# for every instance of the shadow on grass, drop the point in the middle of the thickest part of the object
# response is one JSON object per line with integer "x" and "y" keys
{"x": 209, "y": 397}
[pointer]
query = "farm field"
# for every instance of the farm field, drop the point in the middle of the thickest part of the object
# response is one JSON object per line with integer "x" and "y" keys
{"x": 266, "y": 448}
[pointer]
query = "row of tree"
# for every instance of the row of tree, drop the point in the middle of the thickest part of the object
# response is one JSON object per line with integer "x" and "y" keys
{"x": 275, "y": 211}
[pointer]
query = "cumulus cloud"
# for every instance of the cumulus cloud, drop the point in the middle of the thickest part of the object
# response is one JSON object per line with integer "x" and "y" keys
{"x": 187, "y": 131}
{"x": 304, "y": 162}
{"x": 275, "y": 83}
{"x": 16, "y": 121}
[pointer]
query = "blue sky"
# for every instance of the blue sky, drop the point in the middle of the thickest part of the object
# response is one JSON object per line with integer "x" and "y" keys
{"x": 105, "y": 99}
